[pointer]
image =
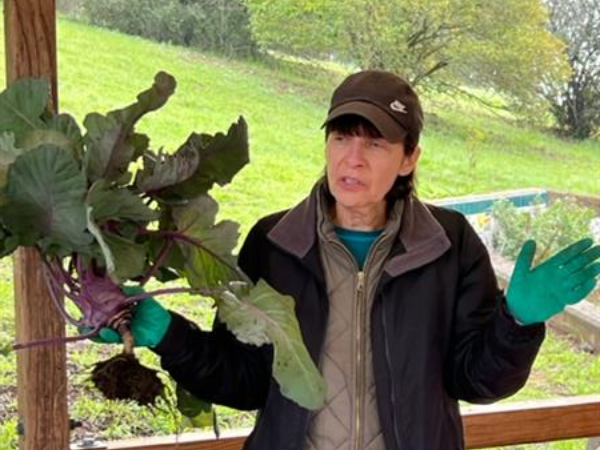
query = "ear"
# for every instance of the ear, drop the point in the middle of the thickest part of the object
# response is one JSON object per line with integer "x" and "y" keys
{"x": 410, "y": 162}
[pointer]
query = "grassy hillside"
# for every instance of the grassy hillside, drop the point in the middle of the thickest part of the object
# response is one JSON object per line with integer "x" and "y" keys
{"x": 466, "y": 150}
{"x": 100, "y": 70}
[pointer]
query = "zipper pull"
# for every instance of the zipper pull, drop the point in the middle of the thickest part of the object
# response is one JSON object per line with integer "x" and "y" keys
{"x": 360, "y": 281}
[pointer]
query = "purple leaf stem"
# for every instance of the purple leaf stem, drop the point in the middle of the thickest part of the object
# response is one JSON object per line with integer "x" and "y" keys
{"x": 66, "y": 276}
{"x": 51, "y": 341}
{"x": 164, "y": 252}
{"x": 55, "y": 288}
{"x": 177, "y": 235}
{"x": 156, "y": 293}
{"x": 61, "y": 278}
{"x": 79, "y": 266}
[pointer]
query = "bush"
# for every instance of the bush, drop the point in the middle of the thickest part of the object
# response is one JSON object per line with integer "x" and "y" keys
{"x": 71, "y": 8}
{"x": 553, "y": 228}
{"x": 220, "y": 26}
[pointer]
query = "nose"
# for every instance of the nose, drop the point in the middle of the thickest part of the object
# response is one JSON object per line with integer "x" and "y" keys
{"x": 355, "y": 152}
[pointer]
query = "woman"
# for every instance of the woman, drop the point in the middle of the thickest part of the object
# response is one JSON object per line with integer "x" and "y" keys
{"x": 396, "y": 299}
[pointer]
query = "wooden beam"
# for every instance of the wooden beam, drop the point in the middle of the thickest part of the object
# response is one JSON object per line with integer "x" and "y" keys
{"x": 534, "y": 421}
{"x": 485, "y": 426}
{"x": 231, "y": 440}
{"x": 30, "y": 36}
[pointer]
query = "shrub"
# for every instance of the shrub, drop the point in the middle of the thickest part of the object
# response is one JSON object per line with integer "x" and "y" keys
{"x": 552, "y": 228}
{"x": 220, "y": 26}
{"x": 71, "y": 8}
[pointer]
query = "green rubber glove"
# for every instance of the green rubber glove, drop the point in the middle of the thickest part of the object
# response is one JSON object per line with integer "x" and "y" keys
{"x": 535, "y": 295}
{"x": 149, "y": 323}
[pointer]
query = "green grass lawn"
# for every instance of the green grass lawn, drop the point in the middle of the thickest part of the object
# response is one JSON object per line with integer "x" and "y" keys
{"x": 466, "y": 150}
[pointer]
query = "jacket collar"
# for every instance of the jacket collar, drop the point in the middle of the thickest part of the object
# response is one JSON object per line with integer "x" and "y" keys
{"x": 296, "y": 231}
{"x": 421, "y": 237}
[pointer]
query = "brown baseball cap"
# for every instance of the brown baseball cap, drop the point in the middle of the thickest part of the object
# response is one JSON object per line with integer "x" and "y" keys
{"x": 386, "y": 100}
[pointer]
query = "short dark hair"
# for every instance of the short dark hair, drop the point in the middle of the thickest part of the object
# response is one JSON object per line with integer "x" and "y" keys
{"x": 353, "y": 125}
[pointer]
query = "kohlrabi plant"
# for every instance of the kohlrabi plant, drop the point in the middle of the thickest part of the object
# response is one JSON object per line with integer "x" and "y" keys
{"x": 108, "y": 214}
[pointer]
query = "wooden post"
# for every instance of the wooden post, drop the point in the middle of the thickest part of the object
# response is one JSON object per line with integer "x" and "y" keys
{"x": 30, "y": 40}
{"x": 30, "y": 36}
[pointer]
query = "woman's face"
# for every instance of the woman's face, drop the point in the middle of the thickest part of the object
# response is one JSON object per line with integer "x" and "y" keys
{"x": 361, "y": 170}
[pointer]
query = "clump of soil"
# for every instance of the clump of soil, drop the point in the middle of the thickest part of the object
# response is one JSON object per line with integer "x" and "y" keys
{"x": 122, "y": 377}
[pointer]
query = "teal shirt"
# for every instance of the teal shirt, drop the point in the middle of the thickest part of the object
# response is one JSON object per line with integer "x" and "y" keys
{"x": 358, "y": 242}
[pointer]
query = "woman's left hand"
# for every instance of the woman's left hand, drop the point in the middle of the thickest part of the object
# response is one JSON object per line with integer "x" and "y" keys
{"x": 536, "y": 294}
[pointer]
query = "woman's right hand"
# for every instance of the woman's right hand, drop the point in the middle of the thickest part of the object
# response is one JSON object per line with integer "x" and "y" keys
{"x": 149, "y": 324}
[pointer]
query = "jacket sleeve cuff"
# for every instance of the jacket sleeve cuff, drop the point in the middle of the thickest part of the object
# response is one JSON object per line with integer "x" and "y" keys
{"x": 516, "y": 332}
{"x": 176, "y": 336}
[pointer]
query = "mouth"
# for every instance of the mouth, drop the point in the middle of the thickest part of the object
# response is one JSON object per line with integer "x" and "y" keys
{"x": 351, "y": 182}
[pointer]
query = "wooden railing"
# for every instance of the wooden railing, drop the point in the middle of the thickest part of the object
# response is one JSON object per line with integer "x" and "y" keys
{"x": 533, "y": 421}
{"x": 485, "y": 426}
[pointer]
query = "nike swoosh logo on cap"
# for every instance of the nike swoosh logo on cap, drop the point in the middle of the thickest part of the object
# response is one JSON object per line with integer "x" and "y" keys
{"x": 398, "y": 106}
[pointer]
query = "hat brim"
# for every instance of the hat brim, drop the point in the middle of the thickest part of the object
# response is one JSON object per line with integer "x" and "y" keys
{"x": 391, "y": 130}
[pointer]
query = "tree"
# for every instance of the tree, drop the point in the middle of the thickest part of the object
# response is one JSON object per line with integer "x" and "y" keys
{"x": 576, "y": 103}
{"x": 440, "y": 44}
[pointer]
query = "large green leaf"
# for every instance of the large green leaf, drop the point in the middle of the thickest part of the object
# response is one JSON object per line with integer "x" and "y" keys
{"x": 8, "y": 243}
{"x": 260, "y": 315}
{"x": 173, "y": 265}
{"x": 105, "y": 251}
{"x": 67, "y": 125}
{"x": 123, "y": 258}
{"x": 197, "y": 220}
{"x": 117, "y": 204}
{"x": 111, "y": 148}
{"x": 107, "y": 157}
{"x": 38, "y": 137}
{"x": 129, "y": 257}
{"x": 150, "y": 100}
{"x": 140, "y": 143}
{"x": 60, "y": 130}
{"x": 8, "y": 154}
{"x": 21, "y": 106}
{"x": 45, "y": 195}
{"x": 197, "y": 413}
{"x": 220, "y": 158}
{"x": 111, "y": 140}
{"x": 23, "y": 112}
{"x": 164, "y": 170}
